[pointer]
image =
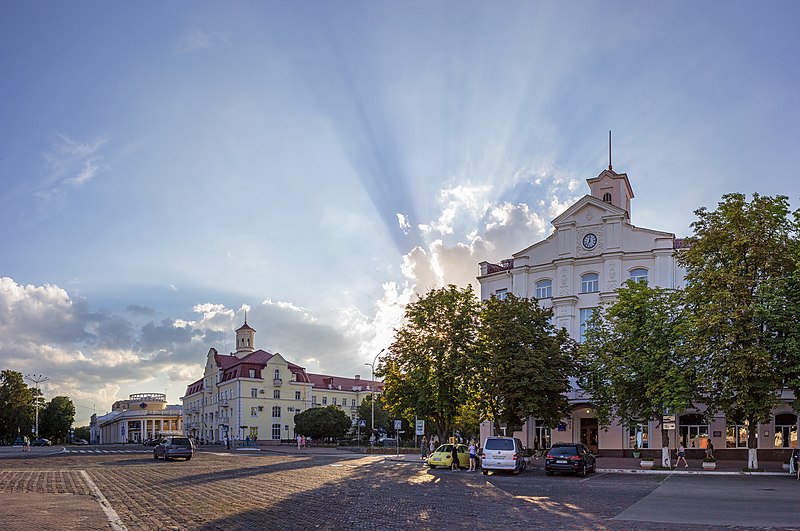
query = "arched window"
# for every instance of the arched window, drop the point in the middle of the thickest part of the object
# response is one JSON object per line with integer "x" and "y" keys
{"x": 544, "y": 289}
{"x": 639, "y": 275}
{"x": 590, "y": 283}
{"x": 607, "y": 197}
{"x": 277, "y": 374}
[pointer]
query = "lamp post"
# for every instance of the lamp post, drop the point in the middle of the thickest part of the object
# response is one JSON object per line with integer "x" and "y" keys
{"x": 37, "y": 379}
{"x": 372, "y": 388}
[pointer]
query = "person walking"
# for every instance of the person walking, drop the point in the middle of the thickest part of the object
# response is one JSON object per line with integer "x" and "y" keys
{"x": 454, "y": 464}
{"x": 473, "y": 455}
{"x": 424, "y": 447}
{"x": 709, "y": 450}
{"x": 432, "y": 446}
{"x": 682, "y": 455}
{"x": 299, "y": 442}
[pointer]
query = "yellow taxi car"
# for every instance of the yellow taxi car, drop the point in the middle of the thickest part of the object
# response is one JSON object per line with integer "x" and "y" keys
{"x": 443, "y": 456}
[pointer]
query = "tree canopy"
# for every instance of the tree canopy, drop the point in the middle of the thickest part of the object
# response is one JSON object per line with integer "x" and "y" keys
{"x": 424, "y": 370}
{"x": 16, "y": 406}
{"x": 381, "y": 415}
{"x": 56, "y": 418}
{"x": 522, "y": 365}
{"x": 739, "y": 262}
{"x": 321, "y": 422}
{"x": 634, "y": 361}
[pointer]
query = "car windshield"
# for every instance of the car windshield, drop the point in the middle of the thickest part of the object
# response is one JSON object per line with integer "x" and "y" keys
{"x": 499, "y": 444}
{"x": 182, "y": 441}
{"x": 448, "y": 448}
{"x": 564, "y": 450}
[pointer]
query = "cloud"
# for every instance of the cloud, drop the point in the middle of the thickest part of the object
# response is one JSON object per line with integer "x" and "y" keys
{"x": 402, "y": 220}
{"x": 195, "y": 39}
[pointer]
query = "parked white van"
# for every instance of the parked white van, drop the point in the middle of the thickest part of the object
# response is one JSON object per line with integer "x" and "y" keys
{"x": 503, "y": 453}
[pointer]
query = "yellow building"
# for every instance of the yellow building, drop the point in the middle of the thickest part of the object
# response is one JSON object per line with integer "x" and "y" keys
{"x": 143, "y": 416}
{"x": 256, "y": 394}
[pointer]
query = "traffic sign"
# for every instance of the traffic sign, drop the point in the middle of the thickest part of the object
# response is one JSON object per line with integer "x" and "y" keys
{"x": 420, "y": 427}
{"x": 362, "y": 423}
{"x": 398, "y": 424}
{"x": 669, "y": 425}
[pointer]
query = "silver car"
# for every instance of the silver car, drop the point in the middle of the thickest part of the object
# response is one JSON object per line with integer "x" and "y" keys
{"x": 174, "y": 447}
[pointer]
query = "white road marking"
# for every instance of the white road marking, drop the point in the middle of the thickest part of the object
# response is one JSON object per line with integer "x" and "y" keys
{"x": 113, "y": 518}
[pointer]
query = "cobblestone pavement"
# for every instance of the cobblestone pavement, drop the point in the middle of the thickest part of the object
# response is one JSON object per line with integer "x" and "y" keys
{"x": 216, "y": 491}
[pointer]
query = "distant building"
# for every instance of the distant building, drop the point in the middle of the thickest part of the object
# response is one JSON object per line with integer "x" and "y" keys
{"x": 593, "y": 250}
{"x": 143, "y": 416}
{"x": 256, "y": 394}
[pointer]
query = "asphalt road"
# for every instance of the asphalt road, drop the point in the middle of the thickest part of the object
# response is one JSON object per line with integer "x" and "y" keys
{"x": 123, "y": 489}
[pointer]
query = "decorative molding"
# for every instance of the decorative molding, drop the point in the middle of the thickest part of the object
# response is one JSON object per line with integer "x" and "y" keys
{"x": 597, "y": 230}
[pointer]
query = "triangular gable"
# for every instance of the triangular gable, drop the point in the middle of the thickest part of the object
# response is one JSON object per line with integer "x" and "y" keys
{"x": 581, "y": 203}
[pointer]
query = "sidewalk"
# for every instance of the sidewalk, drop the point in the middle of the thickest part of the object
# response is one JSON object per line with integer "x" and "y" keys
{"x": 629, "y": 465}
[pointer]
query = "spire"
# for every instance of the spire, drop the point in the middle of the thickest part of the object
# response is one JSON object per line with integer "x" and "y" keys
{"x": 609, "y": 151}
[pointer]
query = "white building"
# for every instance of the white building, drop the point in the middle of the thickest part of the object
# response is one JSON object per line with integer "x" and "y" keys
{"x": 255, "y": 394}
{"x": 593, "y": 249}
{"x": 143, "y": 416}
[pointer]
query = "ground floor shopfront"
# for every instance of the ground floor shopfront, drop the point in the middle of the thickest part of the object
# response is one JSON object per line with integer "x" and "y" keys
{"x": 692, "y": 429}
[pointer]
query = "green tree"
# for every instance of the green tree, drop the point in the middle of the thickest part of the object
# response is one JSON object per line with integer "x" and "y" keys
{"x": 737, "y": 261}
{"x": 56, "y": 418}
{"x": 468, "y": 420}
{"x": 634, "y": 359}
{"x": 381, "y": 415}
{"x": 522, "y": 366}
{"x": 425, "y": 371}
{"x": 82, "y": 432}
{"x": 16, "y": 406}
{"x": 321, "y": 422}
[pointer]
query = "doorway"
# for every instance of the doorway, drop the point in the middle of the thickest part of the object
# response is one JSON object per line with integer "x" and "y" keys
{"x": 588, "y": 433}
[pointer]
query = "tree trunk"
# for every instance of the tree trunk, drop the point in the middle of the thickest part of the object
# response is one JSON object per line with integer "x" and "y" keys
{"x": 665, "y": 457}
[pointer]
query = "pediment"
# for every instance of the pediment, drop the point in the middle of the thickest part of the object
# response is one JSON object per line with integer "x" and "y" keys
{"x": 587, "y": 210}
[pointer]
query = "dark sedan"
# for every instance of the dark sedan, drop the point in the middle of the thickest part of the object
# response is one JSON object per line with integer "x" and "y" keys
{"x": 569, "y": 457}
{"x": 41, "y": 442}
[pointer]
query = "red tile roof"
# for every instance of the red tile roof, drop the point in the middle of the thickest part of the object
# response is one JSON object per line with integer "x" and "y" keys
{"x": 324, "y": 381}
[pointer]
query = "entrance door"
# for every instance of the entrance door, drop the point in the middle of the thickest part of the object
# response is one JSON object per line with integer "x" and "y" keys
{"x": 589, "y": 433}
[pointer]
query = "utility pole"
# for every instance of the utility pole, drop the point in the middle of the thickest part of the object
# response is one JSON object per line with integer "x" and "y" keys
{"x": 372, "y": 388}
{"x": 37, "y": 379}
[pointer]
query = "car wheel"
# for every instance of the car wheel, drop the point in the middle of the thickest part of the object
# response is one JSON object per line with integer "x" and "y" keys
{"x": 166, "y": 456}
{"x": 485, "y": 472}
{"x": 431, "y": 466}
{"x": 155, "y": 455}
{"x": 549, "y": 472}
{"x": 582, "y": 471}
{"x": 188, "y": 457}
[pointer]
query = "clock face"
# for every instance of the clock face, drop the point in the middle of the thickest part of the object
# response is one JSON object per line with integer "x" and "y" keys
{"x": 589, "y": 241}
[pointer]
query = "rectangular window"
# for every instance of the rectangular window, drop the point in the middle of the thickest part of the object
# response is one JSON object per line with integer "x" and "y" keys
{"x": 276, "y": 432}
{"x": 297, "y": 395}
{"x": 276, "y": 411}
{"x": 584, "y": 318}
{"x": 590, "y": 283}
{"x": 252, "y": 373}
{"x": 334, "y": 400}
{"x": 736, "y": 436}
{"x": 314, "y": 399}
{"x": 544, "y": 289}
{"x": 324, "y": 400}
{"x": 276, "y": 394}
{"x": 253, "y": 392}
{"x": 501, "y": 294}
{"x": 253, "y": 411}
{"x": 638, "y": 435}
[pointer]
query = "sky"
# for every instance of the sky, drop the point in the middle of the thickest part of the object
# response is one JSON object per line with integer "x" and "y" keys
{"x": 167, "y": 166}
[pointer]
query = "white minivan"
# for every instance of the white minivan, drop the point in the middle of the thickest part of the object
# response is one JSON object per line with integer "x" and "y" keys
{"x": 503, "y": 453}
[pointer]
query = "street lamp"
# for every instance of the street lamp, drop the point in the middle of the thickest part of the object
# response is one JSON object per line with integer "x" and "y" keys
{"x": 37, "y": 379}
{"x": 372, "y": 388}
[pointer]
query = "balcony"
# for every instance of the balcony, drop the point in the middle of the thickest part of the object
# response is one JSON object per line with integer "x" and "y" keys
{"x": 277, "y": 382}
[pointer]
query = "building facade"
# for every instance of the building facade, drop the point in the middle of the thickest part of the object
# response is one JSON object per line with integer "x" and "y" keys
{"x": 255, "y": 394}
{"x": 141, "y": 417}
{"x": 591, "y": 252}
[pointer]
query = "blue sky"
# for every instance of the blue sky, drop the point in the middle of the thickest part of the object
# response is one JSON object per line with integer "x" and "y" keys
{"x": 165, "y": 165}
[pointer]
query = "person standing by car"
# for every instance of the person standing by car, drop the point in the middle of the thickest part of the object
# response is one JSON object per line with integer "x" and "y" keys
{"x": 473, "y": 455}
{"x": 424, "y": 448}
{"x": 454, "y": 464}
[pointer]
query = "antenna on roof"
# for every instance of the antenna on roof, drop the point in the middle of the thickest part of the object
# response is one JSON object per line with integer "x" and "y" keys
{"x": 609, "y": 150}
{"x": 245, "y": 317}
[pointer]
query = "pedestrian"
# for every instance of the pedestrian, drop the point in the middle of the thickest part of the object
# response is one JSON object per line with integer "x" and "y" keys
{"x": 709, "y": 450}
{"x": 682, "y": 455}
{"x": 303, "y": 441}
{"x": 432, "y": 445}
{"x": 454, "y": 464}
{"x": 299, "y": 441}
{"x": 424, "y": 447}
{"x": 473, "y": 456}
{"x": 797, "y": 463}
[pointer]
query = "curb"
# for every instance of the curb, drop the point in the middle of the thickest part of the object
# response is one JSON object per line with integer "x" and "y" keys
{"x": 688, "y": 472}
